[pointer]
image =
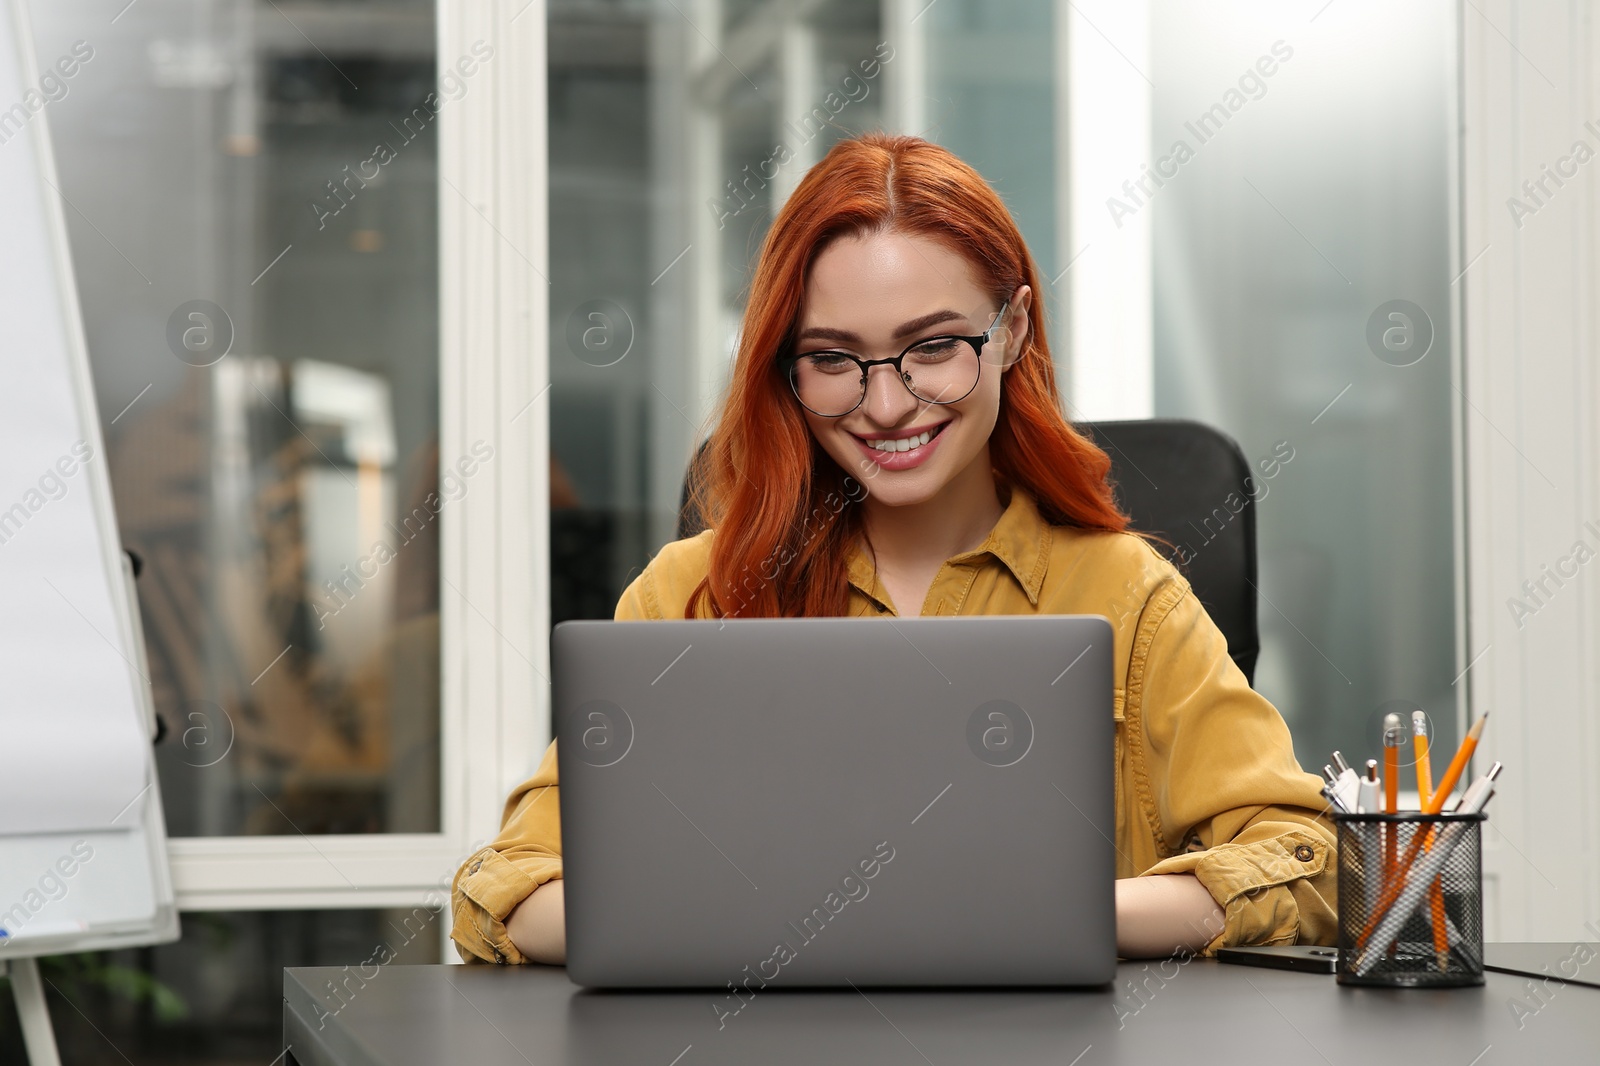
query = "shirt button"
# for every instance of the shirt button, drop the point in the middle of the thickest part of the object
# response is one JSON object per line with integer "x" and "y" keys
{"x": 1304, "y": 853}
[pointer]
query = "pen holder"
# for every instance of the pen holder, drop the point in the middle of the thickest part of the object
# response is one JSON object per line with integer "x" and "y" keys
{"x": 1410, "y": 899}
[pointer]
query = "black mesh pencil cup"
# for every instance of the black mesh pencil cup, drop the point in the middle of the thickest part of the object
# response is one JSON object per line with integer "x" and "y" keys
{"x": 1410, "y": 899}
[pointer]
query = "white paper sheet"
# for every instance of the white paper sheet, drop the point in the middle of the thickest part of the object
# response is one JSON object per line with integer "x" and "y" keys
{"x": 73, "y": 754}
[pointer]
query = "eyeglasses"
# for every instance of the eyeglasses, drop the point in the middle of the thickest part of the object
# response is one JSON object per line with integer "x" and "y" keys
{"x": 940, "y": 370}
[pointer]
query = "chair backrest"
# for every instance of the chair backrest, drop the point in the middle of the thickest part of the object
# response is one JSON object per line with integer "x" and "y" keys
{"x": 1184, "y": 482}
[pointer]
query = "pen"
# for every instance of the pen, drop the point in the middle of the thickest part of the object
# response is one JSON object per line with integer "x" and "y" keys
{"x": 1344, "y": 780}
{"x": 1334, "y": 791}
{"x": 1367, "y": 798}
{"x": 1367, "y": 803}
{"x": 1477, "y": 797}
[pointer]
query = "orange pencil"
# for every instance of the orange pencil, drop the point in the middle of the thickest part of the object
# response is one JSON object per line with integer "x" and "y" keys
{"x": 1419, "y": 737}
{"x": 1458, "y": 765}
{"x": 1394, "y": 734}
{"x": 1452, "y": 774}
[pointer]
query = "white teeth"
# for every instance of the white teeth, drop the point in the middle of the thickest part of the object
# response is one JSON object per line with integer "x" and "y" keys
{"x": 905, "y": 444}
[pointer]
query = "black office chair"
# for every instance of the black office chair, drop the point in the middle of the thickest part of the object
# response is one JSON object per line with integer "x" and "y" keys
{"x": 1184, "y": 482}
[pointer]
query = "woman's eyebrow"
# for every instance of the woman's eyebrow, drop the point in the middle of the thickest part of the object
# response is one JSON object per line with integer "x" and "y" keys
{"x": 916, "y": 325}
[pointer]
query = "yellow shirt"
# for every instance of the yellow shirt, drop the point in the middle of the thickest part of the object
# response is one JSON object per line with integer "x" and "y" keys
{"x": 1206, "y": 777}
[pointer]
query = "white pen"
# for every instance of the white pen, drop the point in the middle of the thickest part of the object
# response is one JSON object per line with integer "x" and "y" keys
{"x": 1477, "y": 796}
{"x": 1367, "y": 797}
{"x": 1339, "y": 789}
{"x": 1345, "y": 781}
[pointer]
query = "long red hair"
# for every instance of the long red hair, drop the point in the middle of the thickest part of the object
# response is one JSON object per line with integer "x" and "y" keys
{"x": 783, "y": 510}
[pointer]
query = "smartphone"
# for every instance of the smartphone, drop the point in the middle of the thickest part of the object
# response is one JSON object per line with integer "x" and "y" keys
{"x": 1307, "y": 958}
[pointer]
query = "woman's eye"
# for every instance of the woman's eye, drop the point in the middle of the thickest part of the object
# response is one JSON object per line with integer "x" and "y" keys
{"x": 935, "y": 350}
{"x": 830, "y": 362}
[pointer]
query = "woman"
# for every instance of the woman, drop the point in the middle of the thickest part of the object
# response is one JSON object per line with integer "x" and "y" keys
{"x": 836, "y": 486}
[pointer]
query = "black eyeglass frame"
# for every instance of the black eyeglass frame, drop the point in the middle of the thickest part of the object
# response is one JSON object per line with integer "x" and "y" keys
{"x": 788, "y": 362}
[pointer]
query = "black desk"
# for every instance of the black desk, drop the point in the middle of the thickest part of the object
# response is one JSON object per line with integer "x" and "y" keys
{"x": 1201, "y": 1012}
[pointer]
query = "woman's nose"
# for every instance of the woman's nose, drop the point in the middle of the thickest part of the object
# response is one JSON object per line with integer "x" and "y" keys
{"x": 888, "y": 399}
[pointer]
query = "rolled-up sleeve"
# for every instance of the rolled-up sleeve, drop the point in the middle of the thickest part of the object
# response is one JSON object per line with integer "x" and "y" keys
{"x": 1217, "y": 778}
{"x": 498, "y": 877}
{"x": 527, "y": 853}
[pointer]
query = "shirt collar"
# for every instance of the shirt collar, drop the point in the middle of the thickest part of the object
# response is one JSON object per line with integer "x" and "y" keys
{"x": 1020, "y": 540}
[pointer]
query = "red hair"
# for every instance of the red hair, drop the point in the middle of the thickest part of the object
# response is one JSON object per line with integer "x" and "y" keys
{"x": 779, "y": 503}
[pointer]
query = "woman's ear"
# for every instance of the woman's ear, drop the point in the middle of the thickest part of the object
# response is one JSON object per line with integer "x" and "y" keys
{"x": 1018, "y": 324}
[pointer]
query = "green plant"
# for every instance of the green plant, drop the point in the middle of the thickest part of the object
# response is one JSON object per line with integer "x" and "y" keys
{"x": 71, "y": 975}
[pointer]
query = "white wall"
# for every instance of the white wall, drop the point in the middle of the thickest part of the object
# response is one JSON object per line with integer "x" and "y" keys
{"x": 1527, "y": 300}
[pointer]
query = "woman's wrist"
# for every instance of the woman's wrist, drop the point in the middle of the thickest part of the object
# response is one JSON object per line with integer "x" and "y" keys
{"x": 537, "y": 925}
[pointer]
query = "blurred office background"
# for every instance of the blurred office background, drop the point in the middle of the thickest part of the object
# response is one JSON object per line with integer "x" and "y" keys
{"x": 221, "y": 158}
{"x": 1321, "y": 197}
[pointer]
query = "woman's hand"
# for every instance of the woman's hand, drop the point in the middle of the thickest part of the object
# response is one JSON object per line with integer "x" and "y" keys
{"x": 538, "y": 925}
{"x": 1164, "y": 913}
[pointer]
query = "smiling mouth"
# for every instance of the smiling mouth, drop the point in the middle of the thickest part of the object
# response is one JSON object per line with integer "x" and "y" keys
{"x": 903, "y": 444}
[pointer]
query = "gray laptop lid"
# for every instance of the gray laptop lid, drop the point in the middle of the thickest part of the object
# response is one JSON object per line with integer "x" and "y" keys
{"x": 823, "y": 801}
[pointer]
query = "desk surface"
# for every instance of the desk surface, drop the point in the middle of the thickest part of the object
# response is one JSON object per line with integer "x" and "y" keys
{"x": 1198, "y": 1012}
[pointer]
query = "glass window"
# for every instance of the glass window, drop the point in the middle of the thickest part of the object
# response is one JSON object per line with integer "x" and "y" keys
{"x": 1312, "y": 203}
{"x": 250, "y": 191}
{"x": 991, "y": 99}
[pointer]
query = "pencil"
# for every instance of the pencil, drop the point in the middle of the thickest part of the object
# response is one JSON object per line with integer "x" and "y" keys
{"x": 1458, "y": 765}
{"x": 1447, "y": 783}
{"x": 1424, "y": 789}
{"x": 1419, "y": 739}
{"x": 1393, "y": 736}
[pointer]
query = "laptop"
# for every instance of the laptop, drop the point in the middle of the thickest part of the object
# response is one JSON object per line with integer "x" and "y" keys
{"x": 753, "y": 804}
